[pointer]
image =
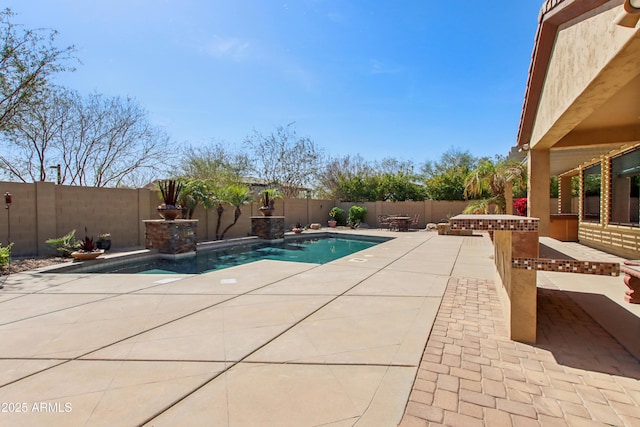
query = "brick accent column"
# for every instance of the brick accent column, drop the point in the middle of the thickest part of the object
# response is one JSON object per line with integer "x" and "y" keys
{"x": 171, "y": 237}
{"x": 267, "y": 227}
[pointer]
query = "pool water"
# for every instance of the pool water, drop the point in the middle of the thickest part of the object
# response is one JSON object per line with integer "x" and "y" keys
{"x": 311, "y": 250}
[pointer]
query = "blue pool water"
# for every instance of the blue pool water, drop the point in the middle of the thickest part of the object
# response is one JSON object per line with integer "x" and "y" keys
{"x": 311, "y": 250}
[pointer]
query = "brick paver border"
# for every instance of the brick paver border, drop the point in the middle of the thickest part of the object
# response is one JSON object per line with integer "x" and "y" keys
{"x": 471, "y": 374}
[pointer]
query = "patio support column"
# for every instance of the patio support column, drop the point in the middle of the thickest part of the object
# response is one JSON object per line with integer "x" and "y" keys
{"x": 508, "y": 197}
{"x": 538, "y": 188}
{"x": 564, "y": 194}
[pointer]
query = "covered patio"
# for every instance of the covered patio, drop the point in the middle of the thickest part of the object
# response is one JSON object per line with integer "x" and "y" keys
{"x": 581, "y": 120}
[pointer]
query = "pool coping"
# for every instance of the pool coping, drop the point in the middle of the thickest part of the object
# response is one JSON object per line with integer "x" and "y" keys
{"x": 81, "y": 267}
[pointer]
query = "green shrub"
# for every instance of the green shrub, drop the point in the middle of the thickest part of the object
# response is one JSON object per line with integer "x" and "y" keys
{"x": 5, "y": 255}
{"x": 64, "y": 245}
{"x": 356, "y": 215}
{"x": 337, "y": 214}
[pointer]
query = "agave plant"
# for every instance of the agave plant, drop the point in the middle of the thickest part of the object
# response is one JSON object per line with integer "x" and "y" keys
{"x": 170, "y": 190}
{"x": 87, "y": 245}
{"x": 268, "y": 197}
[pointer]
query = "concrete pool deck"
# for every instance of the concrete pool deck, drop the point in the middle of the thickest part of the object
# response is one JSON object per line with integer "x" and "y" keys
{"x": 268, "y": 343}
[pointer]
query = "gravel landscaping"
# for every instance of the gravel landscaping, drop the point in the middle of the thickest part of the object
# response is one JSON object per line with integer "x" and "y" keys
{"x": 26, "y": 264}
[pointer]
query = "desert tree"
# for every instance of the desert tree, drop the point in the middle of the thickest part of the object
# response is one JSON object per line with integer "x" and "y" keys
{"x": 355, "y": 180}
{"x": 215, "y": 162}
{"x": 445, "y": 179}
{"x": 32, "y": 141}
{"x": 28, "y": 58}
{"x": 337, "y": 170}
{"x": 393, "y": 166}
{"x": 108, "y": 139}
{"x": 284, "y": 160}
{"x": 98, "y": 141}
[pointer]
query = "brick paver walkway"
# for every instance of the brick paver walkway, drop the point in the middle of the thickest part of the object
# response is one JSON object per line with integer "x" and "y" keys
{"x": 472, "y": 375}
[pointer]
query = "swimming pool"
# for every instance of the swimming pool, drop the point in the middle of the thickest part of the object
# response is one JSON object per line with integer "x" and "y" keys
{"x": 314, "y": 249}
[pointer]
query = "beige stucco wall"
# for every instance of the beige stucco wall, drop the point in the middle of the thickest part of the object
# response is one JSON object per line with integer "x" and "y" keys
{"x": 44, "y": 210}
{"x": 575, "y": 84}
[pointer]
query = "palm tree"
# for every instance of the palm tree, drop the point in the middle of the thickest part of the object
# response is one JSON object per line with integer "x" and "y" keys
{"x": 218, "y": 199}
{"x": 489, "y": 180}
{"x": 233, "y": 194}
{"x": 237, "y": 196}
{"x": 195, "y": 192}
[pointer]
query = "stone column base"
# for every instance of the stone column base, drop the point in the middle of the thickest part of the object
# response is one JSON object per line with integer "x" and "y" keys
{"x": 267, "y": 227}
{"x": 171, "y": 237}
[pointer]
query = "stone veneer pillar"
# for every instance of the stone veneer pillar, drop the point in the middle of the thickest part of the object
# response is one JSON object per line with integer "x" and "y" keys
{"x": 176, "y": 238}
{"x": 267, "y": 227}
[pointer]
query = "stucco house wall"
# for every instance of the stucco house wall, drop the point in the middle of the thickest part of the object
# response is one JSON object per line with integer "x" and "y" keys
{"x": 582, "y": 107}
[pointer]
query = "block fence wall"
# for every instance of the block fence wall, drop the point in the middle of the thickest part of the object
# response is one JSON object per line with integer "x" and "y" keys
{"x": 43, "y": 210}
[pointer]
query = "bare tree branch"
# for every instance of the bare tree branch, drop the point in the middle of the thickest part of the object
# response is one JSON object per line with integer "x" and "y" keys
{"x": 27, "y": 59}
{"x": 285, "y": 160}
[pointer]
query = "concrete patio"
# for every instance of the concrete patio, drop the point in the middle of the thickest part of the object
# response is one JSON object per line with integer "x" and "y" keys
{"x": 268, "y": 343}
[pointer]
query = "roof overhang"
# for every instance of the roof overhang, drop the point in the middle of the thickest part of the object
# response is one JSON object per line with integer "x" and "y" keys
{"x": 612, "y": 124}
{"x": 566, "y": 161}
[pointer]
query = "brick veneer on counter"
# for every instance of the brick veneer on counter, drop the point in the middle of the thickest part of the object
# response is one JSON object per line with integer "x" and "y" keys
{"x": 494, "y": 222}
{"x": 567, "y": 266}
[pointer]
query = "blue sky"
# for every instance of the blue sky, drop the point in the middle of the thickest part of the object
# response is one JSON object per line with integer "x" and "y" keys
{"x": 404, "y": 79}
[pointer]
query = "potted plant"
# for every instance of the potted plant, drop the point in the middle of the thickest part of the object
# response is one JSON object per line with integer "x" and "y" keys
{"x": 104, "y": 241}
{"x": 297, "y": 228}
{"x": 268, "y": 199}
{"x": 170, "y": 191}
{"x": 87, "y": 249}
{"x": 64, "y": 245}
{"x": 337, "y": 216}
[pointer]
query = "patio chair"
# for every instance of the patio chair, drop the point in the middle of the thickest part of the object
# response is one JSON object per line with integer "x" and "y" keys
{"x": 384, "y": 221}
{"x": 415, "y": 220}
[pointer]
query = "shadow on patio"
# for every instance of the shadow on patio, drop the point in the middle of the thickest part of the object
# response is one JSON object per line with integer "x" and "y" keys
{"x": 576, "y": 340}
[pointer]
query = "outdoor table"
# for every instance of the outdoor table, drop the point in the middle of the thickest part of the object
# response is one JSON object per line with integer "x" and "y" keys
{"x": 400, "y": 223}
